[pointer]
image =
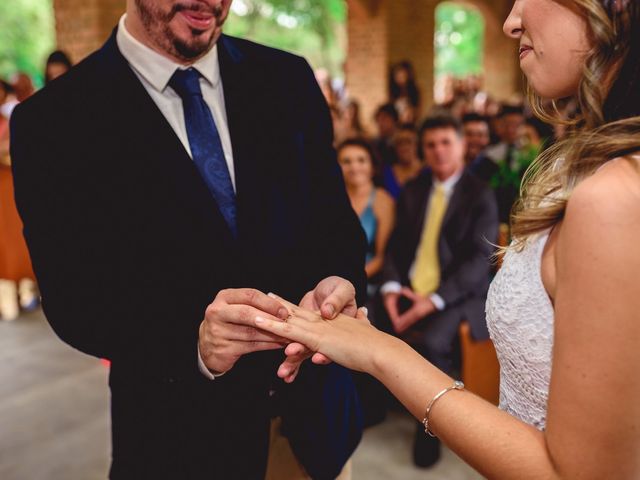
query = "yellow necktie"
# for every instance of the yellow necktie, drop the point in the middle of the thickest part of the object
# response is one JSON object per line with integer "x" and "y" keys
{"x": 426, "y": 276}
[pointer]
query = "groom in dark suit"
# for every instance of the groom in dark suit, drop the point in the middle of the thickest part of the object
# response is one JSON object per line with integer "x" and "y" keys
{"x": 436, "y": 271}
{"x": 172, "y": 166}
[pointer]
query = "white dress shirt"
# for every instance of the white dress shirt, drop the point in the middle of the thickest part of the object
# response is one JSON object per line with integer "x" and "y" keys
{"x": 155, "y": 71}
{"x": 394, "y": 287}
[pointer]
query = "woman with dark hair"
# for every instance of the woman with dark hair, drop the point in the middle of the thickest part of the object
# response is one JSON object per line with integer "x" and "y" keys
{"x": 408, "y": 163}
{"x": 374, "y": 206}
{"x": 353, "y": 127}
{"x": 563, "y": 309}
{"x": 58, "y": 64}
{"x": 404, "y": 92}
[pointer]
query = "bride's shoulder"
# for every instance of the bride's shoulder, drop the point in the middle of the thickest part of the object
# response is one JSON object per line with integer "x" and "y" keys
{"x": 611, "y": 194}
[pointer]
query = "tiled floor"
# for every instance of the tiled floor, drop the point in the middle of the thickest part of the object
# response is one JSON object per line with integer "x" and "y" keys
{"x": 54, "y": 421}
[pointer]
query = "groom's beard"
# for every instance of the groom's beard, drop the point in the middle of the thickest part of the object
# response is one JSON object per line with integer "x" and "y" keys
{"x": 157, "y": 23}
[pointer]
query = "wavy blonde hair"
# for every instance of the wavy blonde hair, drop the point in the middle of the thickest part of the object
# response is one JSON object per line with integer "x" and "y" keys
{"x": 607, "y": 122}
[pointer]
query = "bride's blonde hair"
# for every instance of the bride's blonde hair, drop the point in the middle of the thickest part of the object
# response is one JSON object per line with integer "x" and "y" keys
{"x": 606, "y": 124}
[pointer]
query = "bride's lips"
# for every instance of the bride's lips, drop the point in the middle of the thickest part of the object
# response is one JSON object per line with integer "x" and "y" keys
{"x": 525, "y": 50}
{"x": 198, "y": 20}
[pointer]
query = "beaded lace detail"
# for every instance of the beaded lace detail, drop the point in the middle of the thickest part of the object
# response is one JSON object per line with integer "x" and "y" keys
{"x": 520, "y": 321}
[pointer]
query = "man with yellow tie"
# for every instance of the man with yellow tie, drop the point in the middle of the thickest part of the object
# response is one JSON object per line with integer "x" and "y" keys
{"x": 436, "y": 271}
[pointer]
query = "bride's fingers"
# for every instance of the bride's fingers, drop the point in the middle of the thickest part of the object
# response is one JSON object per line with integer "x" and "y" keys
{"x": 287, "y": 330}
{"x": 320, "y": 359}
{"x": 295, "y": 309}
{"x": 362, "y": 314}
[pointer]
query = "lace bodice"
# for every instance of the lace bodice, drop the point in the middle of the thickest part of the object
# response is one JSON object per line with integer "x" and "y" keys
{"x": 520, "y": 321}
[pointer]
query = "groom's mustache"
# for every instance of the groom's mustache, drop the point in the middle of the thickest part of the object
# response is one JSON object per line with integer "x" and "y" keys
{"x": 202, "y": 7}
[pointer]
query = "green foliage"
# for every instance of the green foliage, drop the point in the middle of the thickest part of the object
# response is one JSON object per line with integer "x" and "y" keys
{"x": 459, "y": 40}
{"x": 311, "y": 28}
{"x": 27, "y": 36}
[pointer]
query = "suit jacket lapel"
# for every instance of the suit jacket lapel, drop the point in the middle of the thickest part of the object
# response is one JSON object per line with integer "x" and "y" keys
{"x": 147, "y": 137}
{"x": 422, "y": 203}
{"x": 454, "y": 200}
{"x": 242, "y": 107}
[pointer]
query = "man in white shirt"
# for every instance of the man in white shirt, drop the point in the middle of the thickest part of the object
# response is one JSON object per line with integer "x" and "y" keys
{"x": 436, "y": 271}
{"x": 155, "y": 187}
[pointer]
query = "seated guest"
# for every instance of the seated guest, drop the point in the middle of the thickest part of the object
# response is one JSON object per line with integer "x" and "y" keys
{"x": 501, "y": 165}
{"x": 374, "y": 206}
{"x": 437, "y": 263}
{"x": 408, "y": 165}
{"x": 477, "y": 134}
{"x": 536, "y": 135}
{"x": 22, "y": 86}
{"x": 57, "y": 65}
{"x": 387, "y": 120}
{"x": 353, "y": 127}
{"x": 404, "y": 92}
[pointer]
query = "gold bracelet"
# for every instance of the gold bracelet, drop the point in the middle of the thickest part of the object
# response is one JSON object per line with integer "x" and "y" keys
{"x": 457, "y": 385}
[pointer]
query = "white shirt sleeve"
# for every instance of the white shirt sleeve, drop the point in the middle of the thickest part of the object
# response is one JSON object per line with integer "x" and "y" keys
{"x": 204, "y": 370}
{"x": 438, "y": 301}
{"x": 390, "y": 287}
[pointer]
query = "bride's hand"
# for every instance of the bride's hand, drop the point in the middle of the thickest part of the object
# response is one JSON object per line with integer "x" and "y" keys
{"x": 351, "y": 342}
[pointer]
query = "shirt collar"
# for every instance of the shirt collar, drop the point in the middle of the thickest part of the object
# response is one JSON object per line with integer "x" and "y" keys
{"x": 449, "y": 183}
{"x": 158, "y": 69}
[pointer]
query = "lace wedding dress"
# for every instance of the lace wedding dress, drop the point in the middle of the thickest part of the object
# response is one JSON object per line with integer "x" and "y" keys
{"x": 520, "y": 321}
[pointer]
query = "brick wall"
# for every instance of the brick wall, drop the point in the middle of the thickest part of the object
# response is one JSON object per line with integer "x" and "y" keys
{"x": 367, "y": 54}
{"x": 82, "y": 26}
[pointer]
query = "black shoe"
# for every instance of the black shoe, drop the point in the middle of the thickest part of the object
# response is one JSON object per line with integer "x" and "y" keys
{"x": 426, "y": 449}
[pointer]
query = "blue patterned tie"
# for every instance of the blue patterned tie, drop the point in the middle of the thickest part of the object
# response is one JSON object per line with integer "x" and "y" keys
{"x": 204, "y": 140}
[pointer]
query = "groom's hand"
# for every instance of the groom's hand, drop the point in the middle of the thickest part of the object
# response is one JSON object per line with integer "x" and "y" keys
{"x": 332, "y": 296}
{"x": 227, "y": 331}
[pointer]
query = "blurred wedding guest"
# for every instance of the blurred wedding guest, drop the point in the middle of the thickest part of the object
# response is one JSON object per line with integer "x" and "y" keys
{"x": 404, "y": 92}
{"x": 477, "y": 135}
{"x": 7, "y": 99}
{"x": 387, "y": 121}
{"x": 408, "y": 164}
{"x": 346, "y": 121}
{"x": 23, "y": 86}
{"x": 502, "y": 165}
{"x": 5, "y": 90}
{"x": 337, "y": 121}
{"x": 374, "y": 206}
{"x": 352, "y": 121}
{"x": 323, "y": 77}
{"x": 58, "y": 64}
{"x": 536, "y": 135}
{"x": 17, "y": 288}
{"x": 436, "y": 270}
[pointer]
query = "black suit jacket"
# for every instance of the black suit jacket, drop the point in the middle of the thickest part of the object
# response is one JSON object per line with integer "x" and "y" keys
{"x": 464, "y": 249}
{"x": 129, "y": 248}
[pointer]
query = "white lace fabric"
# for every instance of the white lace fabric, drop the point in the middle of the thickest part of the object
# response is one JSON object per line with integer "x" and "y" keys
{"x": 520, "y": 321}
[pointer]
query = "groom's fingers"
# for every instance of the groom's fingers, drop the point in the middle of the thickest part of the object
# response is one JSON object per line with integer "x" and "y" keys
{"x": 336, "y": 295}
{"x": 228, "y": 331}
{"x": 254, "y": 298}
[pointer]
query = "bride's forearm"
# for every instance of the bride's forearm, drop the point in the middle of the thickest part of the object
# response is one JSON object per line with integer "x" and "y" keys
{"x": 492, "y": 441}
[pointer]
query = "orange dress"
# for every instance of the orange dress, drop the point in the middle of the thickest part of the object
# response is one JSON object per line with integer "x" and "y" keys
{"x": 15, "y": 263}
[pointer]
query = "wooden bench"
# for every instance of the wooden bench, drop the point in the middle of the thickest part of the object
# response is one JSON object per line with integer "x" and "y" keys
{"x": 480, "y": 368}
